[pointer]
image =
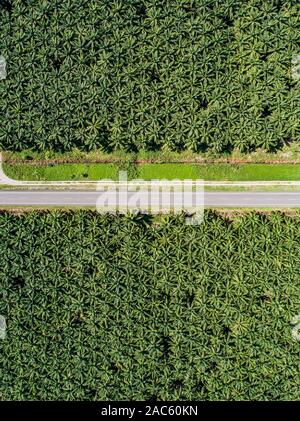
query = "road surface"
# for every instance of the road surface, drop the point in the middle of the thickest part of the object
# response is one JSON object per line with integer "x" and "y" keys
{"x": 89, "y": 198}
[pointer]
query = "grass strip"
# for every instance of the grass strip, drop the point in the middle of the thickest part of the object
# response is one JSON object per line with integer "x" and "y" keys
{"x": 209, "y": 172}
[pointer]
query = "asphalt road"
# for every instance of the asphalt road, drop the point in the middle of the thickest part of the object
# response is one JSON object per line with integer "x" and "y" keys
{"x": 211, "y": 199}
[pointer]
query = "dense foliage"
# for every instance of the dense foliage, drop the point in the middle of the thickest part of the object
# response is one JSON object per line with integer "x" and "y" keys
{"x": 102, "y": 307}
{"x": 149, "y": 74}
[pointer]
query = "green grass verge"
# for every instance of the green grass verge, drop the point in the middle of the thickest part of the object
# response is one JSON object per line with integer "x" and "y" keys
{"x": 60, "y": 172}
{"x": 288, "y": 154}
{"x": 226, "y": 172}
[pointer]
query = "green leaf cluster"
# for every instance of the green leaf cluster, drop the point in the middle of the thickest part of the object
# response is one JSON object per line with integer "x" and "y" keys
{"x": 106, "y": 308}
{"x": 137, "y": 75}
